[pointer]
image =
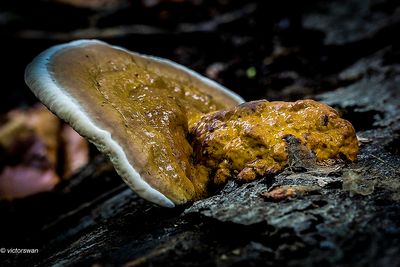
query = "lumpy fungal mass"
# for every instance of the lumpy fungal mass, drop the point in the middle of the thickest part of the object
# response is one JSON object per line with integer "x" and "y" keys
{"x": 248, "y": 141}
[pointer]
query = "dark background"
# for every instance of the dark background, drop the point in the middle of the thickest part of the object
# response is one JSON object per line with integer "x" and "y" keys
{"x": 296, "y": 48}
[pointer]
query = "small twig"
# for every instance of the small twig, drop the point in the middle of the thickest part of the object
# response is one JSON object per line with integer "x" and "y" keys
{"x": 139, "y": 29}
{"x": 383, "y": 161}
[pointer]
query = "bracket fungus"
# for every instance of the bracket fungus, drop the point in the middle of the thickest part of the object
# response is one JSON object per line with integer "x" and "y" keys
{"x": 157, "y": 120}
{"x": 134, "y": 108}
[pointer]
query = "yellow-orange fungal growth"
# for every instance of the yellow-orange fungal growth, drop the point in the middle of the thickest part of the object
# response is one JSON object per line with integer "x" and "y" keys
{"x": 248, "y": 141}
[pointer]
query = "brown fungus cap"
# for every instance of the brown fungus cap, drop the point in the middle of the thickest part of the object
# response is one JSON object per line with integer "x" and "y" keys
{"x": 134, "y": 108}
